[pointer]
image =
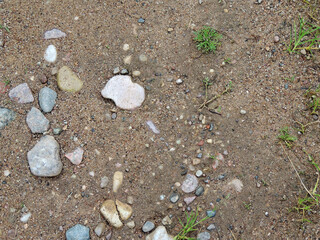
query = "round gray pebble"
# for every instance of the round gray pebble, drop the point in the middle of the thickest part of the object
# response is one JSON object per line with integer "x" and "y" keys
{"x": 174, "y": 197}
{"x": 203, "y": 236}
{"x": 148, "y": 226}
{"x": 47, "y": 99}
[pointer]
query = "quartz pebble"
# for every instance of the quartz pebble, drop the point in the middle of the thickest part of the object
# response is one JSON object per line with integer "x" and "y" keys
{"x": 76, "y": 156}
{"x": 276, "y": 39}
{"x": 179, "y": 81}
{"x": 50, "y": 55}
{"x": 36, "y": 121}
{"x": 243, "y": 112}
{"x": 136, "y": 73}
{"x": 78, "y": 232}
{"x": 189, "y": 184}
{"x": 203, "y": 236}
{"x": 116, "y": 70}
{"x": 6, "y": 173}
{"x": 25, "y": 217}
{"x": 117, "y": 181}
{"x": 21, "y": 94}
{"x": 189, "y": 200}
{"x": 54, "y": 33}
{"x": 199, "y": 173}
{"x": 151, "y": 125}
{"x": 104, "y": 182}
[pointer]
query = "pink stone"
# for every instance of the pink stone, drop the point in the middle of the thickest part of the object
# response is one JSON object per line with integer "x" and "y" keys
{"x": 76, "y": 156}
{"x": 21, "y": 94}
{"x": 189, "y": 200}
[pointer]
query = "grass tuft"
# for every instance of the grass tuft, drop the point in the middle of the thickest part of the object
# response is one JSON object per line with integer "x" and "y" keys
{"x": 207, "y": 39}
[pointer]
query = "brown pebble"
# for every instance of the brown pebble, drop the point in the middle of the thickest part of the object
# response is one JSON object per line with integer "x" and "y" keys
{"x": 43, "y": 79}
{"x": 200, "y": 143}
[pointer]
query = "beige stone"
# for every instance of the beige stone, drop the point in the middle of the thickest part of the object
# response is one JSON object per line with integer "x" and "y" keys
{"x": 110, "y": 213}
{"x": 124, "y": 209}
{"x": 68, "y": 81}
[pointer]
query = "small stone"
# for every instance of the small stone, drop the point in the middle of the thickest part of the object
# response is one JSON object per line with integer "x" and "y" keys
{"x": 199, "y": 173}
{"x": 130, "y": 200}
{"x": 114, "y": 116}
{"x": 36, "y": 121}
{"x": 6, "y": 116}
{"x": 91, "y": 173}
{"x": 131, "y": 224}
{"x": 57, "y": 131}
{"x": 162, "y": 197}
{"x": 100, "y": 228}
{"x": 127, "y": 60}
{"x": 25, "y": 217}
{"x": 68, "y": 81}
{"x": 54, "y": 71}
{"x": 54, "y": 33}
{"x": 189, "y": 200}
{"x": 148, "y": 226}
{"x": 276, "y": 39}
{"x": 117, "y": 181}
{"x": 166, "y": 220}
{"x": 109, "y": 235}
{"x": 76, "y": 156}
{"x": 174, "y": 197}
{"x": 243, "y": 112}
{"x": 259, "y": 1}
{"x": 104, "y": 182}
{"x": 258, "y": 185}
{"x": 21, "y": 94}
{"x": 159, "y": 234}
{"x": 199, "y": 191}
{"x": 124, "y": 210}
{"x": 199, "y": 155}
{"x": 143, "y": 58}
{"x": 124, "y": 72}
{"x": 189, "y": 184}
{"x": 211, "y": 227}
{"x": 211, "y": 213}
{"x": 44, "y": 159}
{"x": 221, "y": 177}
{"x": 47, "y": 99}
{"x": 125, "y": 93}
{"x": 151, "y": 125}
{"x": 209, "y": 140}
{"x": 179, "y": 81}
{"x": 141, "y": 20}
{"x": 43, "y": 79}
{"x": 303, "y": 51}
{"x": 203, "y": 236}
{"x": 266, "y": 214}
{"x": 136, "y": 73}
{"x": 50, "y": 55}
{"x": 78, "y": 232}
{"x": 196, "y": 161}
{"x": 110, "y": 213}
{"x": 126, "y": 47}
{"x": 6, "y": 173}
{"x": 116, "y": 70}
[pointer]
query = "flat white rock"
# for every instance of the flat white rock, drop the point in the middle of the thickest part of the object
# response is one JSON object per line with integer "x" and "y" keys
{"x": 50, "y": 55}
{"x": 159, "y": 234}
{"x": 54, "y": 33}
{"x": 126, "y": 94}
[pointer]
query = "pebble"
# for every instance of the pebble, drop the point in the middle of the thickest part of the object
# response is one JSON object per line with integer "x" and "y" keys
{"x": 148, "y": 226}
{"x": 124, "y": 210}
{"x": 100, "y": 228}
{"x": 124, "y": 72}
{"x": 266, "y": 214}
{"x": 43, "y": 79}
{"x": 199, "y": 155}
{"x": 141, "y": 20}
{"x": 199, "y": 191}
{"x": 211, "y": 213}
{"x": 44, "y": 159}
{"x": 151, "y": 125}
{"x": 21, "y": 94}
{"x": 162, "y": 197}
{"x": 130, "y": 200}
{"x": 109, "y": 235}
{"x": 54, "y": 33}
{"x": 166, "y": 220}
{"x": 159, "y": 234}
{"x": 125, "y": 93}
{"x": 47, "y": 99}
{"x": 189, "y": 200}
{"x": 113, "y": 116}
{"x": 131, "y": 224}
{"x": 50, "y": 55}
{"x": 179, "y": 81}
{"x": 221, "y": 177}
{"x": 126, "y": 47}
{"x": 203, "y": 236}
{"x": 276, "y": 39}
{"x": 116, "y": 70}
{"x": 189, "y": 184}
{"x": 117, "y": 181}
{"x": 303, "y": 51}
{"x": 68, "y": 81}
{"x": 6, "y": 116}
{"x": 136, "y": 73}
{"x": 25, "y": 217}
{"x": 209, "y": 140}
{"x": 174, "y": 197}
{"x": 36, "y": 121}
{"x": 211, "y": 227}
{"x": 195, "y": 161}
{"x": 143, "y": 58}
{"x": 57, "y": 131}
{"x": 236, "y": 184}
{"x": 127, "y": 60}
{"x": 76, "y": 156}
{"x": 78, "y": 232}
{"x": 258, "y": 185}
{"x": 6, "y": 173}
{"x": 110, "y": 213}
{"x": 104, "y": 182}
{"x": 91, "y": 173}
{"x": 243, "y": 112}
{"x": 199, "y": 173}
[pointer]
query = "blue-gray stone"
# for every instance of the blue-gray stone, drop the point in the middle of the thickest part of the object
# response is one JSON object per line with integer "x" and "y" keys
{"x": 148, "y": 226}
{"x": 6, "y": 116}
{"x": 78, "y": 232}
{"x": 47, "y": 99}
{"x": 174, "y": 197}
{"x": 199, "y": 155}
{"x": 203, "y": 236}
{"x": 141, "y": 20}
{"x": 211, "y": 213}
{"x": 199, "y": 191}
{"x": 36, "y": 121}
{"x": 211, "y": 227}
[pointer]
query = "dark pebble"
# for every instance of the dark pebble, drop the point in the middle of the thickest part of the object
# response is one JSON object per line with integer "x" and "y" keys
{"x": 184, "y": 172}
{"x": 174, "y": 197}
{"x": 218, "y": 199}
{"x": 199, "y": 191}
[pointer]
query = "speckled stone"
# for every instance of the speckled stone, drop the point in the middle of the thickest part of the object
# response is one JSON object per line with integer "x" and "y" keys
{"x": 36, "y": 121}
{"x": 78, "y": 232}
{"x": 6, "y": 116}
{"x": 47, "y": 99}
{"x": 21, "y": 94}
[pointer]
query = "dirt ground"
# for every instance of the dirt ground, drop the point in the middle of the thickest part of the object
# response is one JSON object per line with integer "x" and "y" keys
{"x": 152, "y": 164}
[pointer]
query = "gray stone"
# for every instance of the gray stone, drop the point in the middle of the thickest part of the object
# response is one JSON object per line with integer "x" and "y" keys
{"x": 54, "y": 33}
{"x": 141, "y": 20}
{"x": 124, "y": 72}
{"x": 148, "y": 226}
{"x": 174, "y": 197}
{"x": 116, "y": 70}
{"x": 47, "y": 99}
{"x": 21, "y": 94}
{"x": 199, "y": 191}
{"x": 57, "y": 131}
{"x": 68, "y": 81}
{"x": 100, "y": 228}
{"x": 159, "y": 234}
{"x": 6, "y": 116}
{"x": 104, "y": 182}
{"x": 189, "y": 184}
{"x": 36, "y": 121}
{"x": 78, "y": 232}
{"x": 203, "y": 236}
{"x": 125, "y": 93}
{"x": 211, "y": 227}
{"x": 143, "y": 58}
{"x": 44, "y": 159}
{"x": 211, "y": 213}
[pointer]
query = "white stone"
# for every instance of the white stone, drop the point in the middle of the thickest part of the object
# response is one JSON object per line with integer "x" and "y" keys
{"x": 25, "y": 217}
{"x": 127, "y": 60}
{"x": 50, "y": 55}
{"x": 136, "y": 73}
{"x": 159, "y": 234}
{"x": 54, "y": 33}
{"x": 236, "y": 184}
{"x": 117, "y": 181}
{"x": 76, "y": 156}
{"x": 179, "y": 81}
{"x": 6, "y": 173}
{"x": 131, "y": 224}
{"x": 243, "y": 112}
{"x": 125, "y": 93}
{"x": 124, "y": 210}
{"x": 126, "y": 47}
{"x": 104, "y": 182}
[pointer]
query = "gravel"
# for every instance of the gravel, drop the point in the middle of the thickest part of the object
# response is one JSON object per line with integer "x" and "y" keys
{"x": 189, "y": 184}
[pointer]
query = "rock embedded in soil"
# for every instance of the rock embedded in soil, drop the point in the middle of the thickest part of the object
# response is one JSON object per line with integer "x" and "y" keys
{"x": 104, "y": 182}
{"x": 68, "y": 81}
{"x": 126, "y": 94}
{"x": 148, "y": 226}
{"x": 211, "y": 227}
{"x": 47, "y": 99}
{"x": 116, "y": 70}
{"x": 25, "y": 217}
{"x": 159, "y": 234}
{"x": 110, "y": 213}
{"x": 76, "y": 156}
{"x": 117, "y": 181}
{"x": 211, "y": 213}
{"x": 236, "y": 184}
{"x": 36, "y": 121}
{"x": 189, "y": 200}
{"x": 78, "y": 232}
{"x": 21, "y": 94}
{"x": 54, "y": 33}
{"x": 124, "y": 210}
{"x": 203, "y": 236}
{"x": 153, "y": 127}
{"x": 166, "y": 220}
{"x": 131, "y": 224}
{"x": 174, "y": 197}
{"x": 6, "y": 116}
{"x": 143, "y": 58}
{"x": 189, "y": 184}
{"x": 57, "y": 131}
{"x": 136, "y": 73}
{"x": 100, "y": 228}
{"x": 179, "y": 81}
{"x": 44, "y": 159}
{"x": 50, "y": 55}
{"x": 199, "y": 191}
